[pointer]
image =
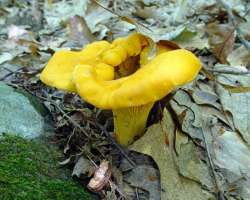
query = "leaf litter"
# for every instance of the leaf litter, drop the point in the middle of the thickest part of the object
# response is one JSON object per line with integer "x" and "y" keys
{"x": 200, "y": 147}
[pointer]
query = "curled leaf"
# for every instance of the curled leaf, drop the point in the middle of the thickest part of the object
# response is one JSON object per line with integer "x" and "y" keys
{"x": 101, "y": 177}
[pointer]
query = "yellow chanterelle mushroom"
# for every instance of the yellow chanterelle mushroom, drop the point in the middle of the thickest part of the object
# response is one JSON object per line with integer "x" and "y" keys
{"x": 130, "y": 97}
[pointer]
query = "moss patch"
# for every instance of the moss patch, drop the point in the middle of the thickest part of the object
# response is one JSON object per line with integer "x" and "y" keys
{"x": 29, "y": 170}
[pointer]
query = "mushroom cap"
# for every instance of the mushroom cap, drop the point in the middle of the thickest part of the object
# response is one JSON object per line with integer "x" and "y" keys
{"x": 58, "y": 71}
{"x": 164, "y": 73}
{"x": 101, "y": 55}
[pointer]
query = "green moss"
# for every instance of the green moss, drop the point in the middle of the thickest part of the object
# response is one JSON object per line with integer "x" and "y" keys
{"x": 29, "y": 171}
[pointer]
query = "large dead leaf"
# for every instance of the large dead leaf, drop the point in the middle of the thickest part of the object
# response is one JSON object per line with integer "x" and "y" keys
{"x": 193, "y": 38}
{"x": 239, "y": 81}
{"x": 192, "y": 167}
{"x": 173, "y": 186}
{"x": 79, "y": 31}
{"x": 58, "y": 12}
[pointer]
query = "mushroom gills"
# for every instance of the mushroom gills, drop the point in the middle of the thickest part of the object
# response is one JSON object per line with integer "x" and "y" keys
{"x": 130, "y": 122}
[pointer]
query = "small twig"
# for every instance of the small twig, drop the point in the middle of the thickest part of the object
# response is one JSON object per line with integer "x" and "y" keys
{"x": 209, "y": 157}
{"x": 10, "y": 73}
{"x": 211, "y": 163}
{"x": 225, "y": 71}
{"x": 137, "y": 195}
{"x": 114, "y": 143}
{"x": 85, "y": 133}
{"x": 66, "y": 147}
{"x": 234, "y": 22}
{"x": 18, "y": 71}
{"x": 93, "y": 162}
{"x": 115, "y": 187}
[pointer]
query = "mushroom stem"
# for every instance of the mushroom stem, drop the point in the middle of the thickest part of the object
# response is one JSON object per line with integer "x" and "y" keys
{"x": 130, "y": 122}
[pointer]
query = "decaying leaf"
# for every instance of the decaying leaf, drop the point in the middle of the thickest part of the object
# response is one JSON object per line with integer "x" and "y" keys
{"x": 232, "y": 155}
{"x": 145, "y": 177}
{"x": 239, "y": 56}
{"x": 244, "y": 27}
{"x": 58, "y": 12}
{"x": 205, "y": 97}
{"x": 189, "y": 114}
{"x": 238, "y": 105}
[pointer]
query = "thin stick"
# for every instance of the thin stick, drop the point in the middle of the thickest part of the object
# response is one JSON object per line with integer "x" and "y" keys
{"x": 115, "y": 187}
{"x": 10, "y": 73}
{"x": 224, "y": 71}
{"x": 137, "y": 195}
{"x": 211, "y": 163}
{"x": 115, "y": 143}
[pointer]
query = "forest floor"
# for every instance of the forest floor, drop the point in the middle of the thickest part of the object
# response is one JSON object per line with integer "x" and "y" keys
{"x": 197, "y": 142}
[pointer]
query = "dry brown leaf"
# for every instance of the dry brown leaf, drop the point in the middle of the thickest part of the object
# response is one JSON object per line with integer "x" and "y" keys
{"x": 221, "y": 40}
{"x": 173, "y": 185}
{"x": 79, "y": 30}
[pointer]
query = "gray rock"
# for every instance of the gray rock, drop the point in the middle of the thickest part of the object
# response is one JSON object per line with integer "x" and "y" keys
{"x": 21, "y": 114}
